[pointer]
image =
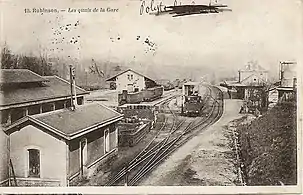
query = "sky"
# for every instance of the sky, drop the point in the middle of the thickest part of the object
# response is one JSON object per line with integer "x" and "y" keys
{"x": 267, "y": 31}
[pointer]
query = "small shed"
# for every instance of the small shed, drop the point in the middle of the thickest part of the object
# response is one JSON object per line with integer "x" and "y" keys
{"x": 54, "y": 148}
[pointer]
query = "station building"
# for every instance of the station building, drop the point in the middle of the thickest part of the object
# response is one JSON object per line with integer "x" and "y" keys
{"x": 250, "y": 87}
{"x": 252, "y": 78}
{"x": 43, "y": 141}
{"x": 131, "y": 81}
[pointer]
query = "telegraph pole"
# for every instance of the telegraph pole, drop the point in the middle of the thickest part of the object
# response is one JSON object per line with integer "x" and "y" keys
{"x": 72, "y": 87}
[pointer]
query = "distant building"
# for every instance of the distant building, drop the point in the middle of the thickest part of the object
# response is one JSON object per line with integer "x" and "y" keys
{"x": 288, "y": 80}
{"x": 253, "y": 74}
{"x": 54, "y": 148}
{"x": 131, "y": 81}
{"x": 250, "y": 79}
{"x": 250, "y": 87}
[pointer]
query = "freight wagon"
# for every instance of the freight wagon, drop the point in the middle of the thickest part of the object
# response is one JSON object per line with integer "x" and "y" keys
{"x": 140, "y": 96}
{"x": 151, "y": 94}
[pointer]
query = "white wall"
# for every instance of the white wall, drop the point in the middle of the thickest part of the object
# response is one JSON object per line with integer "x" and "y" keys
{"x": 288, "y": 78}
{"x": 52, "y": 153}
{"x": 137, "y": 81}
{"x": 261, "y": 74}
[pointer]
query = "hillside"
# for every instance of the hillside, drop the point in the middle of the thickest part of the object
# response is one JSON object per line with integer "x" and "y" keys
{"x": 268, "y": 148}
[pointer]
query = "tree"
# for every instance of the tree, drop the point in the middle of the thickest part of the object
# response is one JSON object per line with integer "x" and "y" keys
{"x": 39, "y": 65}
{"x": 95, "y": 69}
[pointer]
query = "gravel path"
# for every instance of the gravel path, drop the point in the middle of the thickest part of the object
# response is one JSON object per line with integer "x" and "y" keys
{"x": 204, "y": 160}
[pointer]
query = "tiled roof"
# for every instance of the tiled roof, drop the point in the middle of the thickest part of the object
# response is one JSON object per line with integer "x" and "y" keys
{"x": 9, "y": 76}
{"x": 70, "y": 124}
{"x": 54, "y": 88}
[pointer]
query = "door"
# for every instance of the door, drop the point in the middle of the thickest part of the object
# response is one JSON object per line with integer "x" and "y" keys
{"x": 130, "y": 87}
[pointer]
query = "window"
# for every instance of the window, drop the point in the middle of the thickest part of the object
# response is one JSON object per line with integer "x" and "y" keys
{"x": 17, "y": 114}
{"x": 131, "y": 77}
{"x": 4, "y": 116}
{"x": 33, "y": 163}
{"x": 106, "y": 141}
{"x": 80, "y": 100}
{"x": 83, "y": 152}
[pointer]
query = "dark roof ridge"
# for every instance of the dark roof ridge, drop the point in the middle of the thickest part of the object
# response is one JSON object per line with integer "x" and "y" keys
{"x": 55, "y": 76}
{"x": 129, "y": 69}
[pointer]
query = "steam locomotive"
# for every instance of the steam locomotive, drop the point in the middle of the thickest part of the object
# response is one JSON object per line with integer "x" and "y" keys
{"x": 192, "y": 101}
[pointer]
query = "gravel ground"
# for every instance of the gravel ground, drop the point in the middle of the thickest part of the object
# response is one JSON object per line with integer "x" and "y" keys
{"x": 204, "y": 160}
{"x": 106, "y": 97}
{"x": 125, "y": 154}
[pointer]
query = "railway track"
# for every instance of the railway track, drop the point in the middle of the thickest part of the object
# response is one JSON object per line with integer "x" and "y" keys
{"x": 148, "y": 150}
{"x": 169, "y": 139}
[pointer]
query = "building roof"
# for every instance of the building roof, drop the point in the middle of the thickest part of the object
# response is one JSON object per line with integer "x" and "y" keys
{"x": 70, "y": 124}
{"x": 10, "y": 76}
{"x": 232, "y": 83}
{"x": 114, "y": 77}
{"x": 261, "y": 79}
{"x": 285, "y": 88}
{"x": 56, "y": 87}
{"x": 253, "y": 67}
{"x": 191, "y": 83}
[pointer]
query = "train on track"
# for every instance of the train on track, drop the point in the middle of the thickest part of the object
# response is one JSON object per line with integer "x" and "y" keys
{"x": 146, "y": 95}
{"x": 193, "y": 103}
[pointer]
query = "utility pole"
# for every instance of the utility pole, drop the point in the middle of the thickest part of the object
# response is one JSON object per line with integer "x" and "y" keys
{"x": 73, "y": 87}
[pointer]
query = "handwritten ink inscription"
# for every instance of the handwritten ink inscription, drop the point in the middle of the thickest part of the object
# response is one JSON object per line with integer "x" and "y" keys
{"x": 177, "y": 9}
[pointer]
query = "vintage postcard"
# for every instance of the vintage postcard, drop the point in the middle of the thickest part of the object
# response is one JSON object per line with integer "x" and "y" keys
{"x": 151, "y": 96}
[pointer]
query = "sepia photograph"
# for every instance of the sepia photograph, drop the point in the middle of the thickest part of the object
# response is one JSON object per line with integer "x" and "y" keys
{"x": 161, "y": 96}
